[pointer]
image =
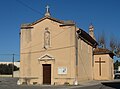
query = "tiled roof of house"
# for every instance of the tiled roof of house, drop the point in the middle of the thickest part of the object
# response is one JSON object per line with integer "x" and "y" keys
{"x": 102, "y": 51}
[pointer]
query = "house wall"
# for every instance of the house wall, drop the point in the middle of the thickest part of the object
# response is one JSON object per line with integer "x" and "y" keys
{"x": 106, "y": 68}
{"x": 111, "y": 68}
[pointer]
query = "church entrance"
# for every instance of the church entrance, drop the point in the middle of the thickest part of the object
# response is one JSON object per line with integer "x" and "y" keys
{"x": 46, "y": 73}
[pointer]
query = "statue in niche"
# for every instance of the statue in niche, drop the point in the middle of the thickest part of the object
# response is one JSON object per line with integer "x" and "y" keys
{"x": 46, "y": 38}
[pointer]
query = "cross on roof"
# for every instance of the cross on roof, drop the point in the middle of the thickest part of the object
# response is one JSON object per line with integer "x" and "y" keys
{"x": 47, "y": 8}
{"x": 47, "y": 11}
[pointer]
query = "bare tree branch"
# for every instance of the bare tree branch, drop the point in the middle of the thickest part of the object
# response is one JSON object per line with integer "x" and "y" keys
{"x": 102, "y": 41}
{"x": 115, "y": 46}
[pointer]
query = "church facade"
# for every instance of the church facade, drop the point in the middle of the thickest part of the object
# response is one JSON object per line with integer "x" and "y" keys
{"x": 54, "y": 52}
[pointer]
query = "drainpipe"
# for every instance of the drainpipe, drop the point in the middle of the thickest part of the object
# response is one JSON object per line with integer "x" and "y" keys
{"x": 76, "y": 55}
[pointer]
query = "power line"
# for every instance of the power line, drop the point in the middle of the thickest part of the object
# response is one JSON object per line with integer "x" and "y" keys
{"x": 49, "y": 49}
{"x": 41, "y": 42}
{"x": 10, "y": 54}
{"x": 29, "y": 7}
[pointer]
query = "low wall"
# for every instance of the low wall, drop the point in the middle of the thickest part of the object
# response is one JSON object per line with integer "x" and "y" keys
{"x": 5, "y": 75}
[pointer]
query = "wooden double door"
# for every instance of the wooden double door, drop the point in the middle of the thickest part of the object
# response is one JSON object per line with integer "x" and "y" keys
{"x": 46, "y": 73}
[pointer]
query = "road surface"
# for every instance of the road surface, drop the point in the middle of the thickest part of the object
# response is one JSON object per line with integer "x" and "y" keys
{"x": 10, "y": 83}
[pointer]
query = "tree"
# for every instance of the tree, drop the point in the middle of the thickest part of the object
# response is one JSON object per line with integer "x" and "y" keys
{"x": 101, "y": 41}
{"x": 115, "y": 46}
{"x": 7, "y": 69}
{"x": 116, "y": 64}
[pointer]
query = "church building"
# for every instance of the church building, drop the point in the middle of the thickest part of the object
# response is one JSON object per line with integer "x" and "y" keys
{"x": 56, "y": 52}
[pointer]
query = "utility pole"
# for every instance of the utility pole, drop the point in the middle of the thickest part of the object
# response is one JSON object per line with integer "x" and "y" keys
{"x": 13, "y": 66}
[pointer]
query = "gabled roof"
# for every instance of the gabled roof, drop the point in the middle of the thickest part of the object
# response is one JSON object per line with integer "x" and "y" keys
{"x": 25, "y": 26}
{"x": 86, "y": 37}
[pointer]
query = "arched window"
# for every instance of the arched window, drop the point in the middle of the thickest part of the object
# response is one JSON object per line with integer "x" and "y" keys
{"x": 46, "y": 38}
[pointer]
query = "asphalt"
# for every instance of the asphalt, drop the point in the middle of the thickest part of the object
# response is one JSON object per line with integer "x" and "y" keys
{"x": 11, "y": 83}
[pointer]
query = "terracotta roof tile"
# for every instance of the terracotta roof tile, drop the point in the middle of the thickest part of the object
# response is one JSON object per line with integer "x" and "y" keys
{"x": 102, "y": 51}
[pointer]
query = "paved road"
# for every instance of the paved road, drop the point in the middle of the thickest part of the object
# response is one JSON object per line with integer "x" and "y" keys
{"x": 111, "y": 85}
{"x": 59, "y": 87}
{"x": 10, "y": 83}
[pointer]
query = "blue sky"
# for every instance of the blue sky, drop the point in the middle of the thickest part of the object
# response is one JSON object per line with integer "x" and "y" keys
{"x": 103, "y": 14}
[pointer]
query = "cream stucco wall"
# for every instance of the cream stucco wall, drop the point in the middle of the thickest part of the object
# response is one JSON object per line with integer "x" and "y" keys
{"x": 62, "y": 49}
{"x": 106, "y": 68}
{"x": 85, "y": 68}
